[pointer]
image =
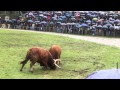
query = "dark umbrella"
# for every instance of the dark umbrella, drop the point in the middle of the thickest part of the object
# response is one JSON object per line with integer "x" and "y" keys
{"x": 105, "y": 74}
{"x": 115, "y": 15}
{"x": 10, "y": 21}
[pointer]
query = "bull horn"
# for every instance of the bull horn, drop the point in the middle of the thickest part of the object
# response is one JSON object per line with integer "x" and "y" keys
{"x": 57, "y": 65}
{"x": 56, "y": 60}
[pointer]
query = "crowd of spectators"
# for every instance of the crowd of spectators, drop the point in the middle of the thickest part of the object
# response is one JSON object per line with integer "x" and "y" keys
{"x": 74, "y": 22}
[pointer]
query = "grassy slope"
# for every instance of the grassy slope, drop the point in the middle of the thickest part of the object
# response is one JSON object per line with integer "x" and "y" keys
{"x": 79, "y": 58}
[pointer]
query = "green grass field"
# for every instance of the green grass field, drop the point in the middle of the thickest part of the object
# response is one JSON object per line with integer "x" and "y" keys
{"x": 79, "y": 58}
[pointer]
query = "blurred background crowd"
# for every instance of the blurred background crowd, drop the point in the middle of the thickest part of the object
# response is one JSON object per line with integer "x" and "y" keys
{"x": 99, "y": 23}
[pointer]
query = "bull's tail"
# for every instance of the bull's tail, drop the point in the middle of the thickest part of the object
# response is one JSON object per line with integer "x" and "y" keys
{"x": 25, "y": 61}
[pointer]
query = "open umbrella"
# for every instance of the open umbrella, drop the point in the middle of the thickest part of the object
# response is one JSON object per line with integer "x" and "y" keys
{"x": 51, "y": 23}
{"x": 41, "y": 15}
{"x": 72, "y": 16}
{"x": 84, "y": 25}
{"x": 58, "y": 12}
{"x": 111, "y": 19}
{"x": 116, "y": 27}
{"x": 73, "y": 19}
{"x": 59, "y": 19}
{"x": 105, "y": 74}
{"x": 88, "y": 21}
{"x": 54, "y": 18}
{"x": 77, "y": 25}
{"x": 99, "y": 26}
{"x": 10, "y": 21}
{"x": 105, "y": 27}
{"x": 63, "y": 23}
{"x": 13, "y": 19}
{"x": 106, "y": 22}
{"x": 108, "y": 25}
{"x": 116, "y": 21}
{"x": 45, "y": 17}
{"x": 44, "y": 22}
{"x": 111, "y": 22}
{"x": 58, "y": 22}
{"x": 30, "y": 21}
{"x": 94, "y": 26}
{"x": 37, "y": 21}
{"x": 93, "y": 23}
{"x": 93, "y": 16}
{"x": 63, "y": 17}
{"x": 111, "y": 27}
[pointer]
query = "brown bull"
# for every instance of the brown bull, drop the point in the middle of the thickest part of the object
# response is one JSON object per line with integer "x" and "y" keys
{"x": 55, "y": 51}
{"x": 39, "y": 55}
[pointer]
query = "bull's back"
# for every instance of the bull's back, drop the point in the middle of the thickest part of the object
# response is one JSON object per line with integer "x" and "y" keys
{"x": 37, "y": 52}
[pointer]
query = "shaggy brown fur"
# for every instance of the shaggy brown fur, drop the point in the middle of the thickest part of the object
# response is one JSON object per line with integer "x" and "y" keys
{"x": 39, "y": 55}
{"x": 55, "y": 51}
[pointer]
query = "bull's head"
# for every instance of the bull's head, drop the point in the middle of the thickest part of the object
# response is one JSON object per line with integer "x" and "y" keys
{"x": 55, "y": 60}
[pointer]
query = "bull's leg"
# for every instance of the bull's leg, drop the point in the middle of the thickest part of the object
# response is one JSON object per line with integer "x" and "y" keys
{"x": 45, "y": 65}
{"x": 23, "y": 63}
{"x": 31, "y": 66}
{"x": 22, "y": 67}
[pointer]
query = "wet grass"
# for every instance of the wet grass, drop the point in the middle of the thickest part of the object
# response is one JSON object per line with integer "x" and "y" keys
{"x": 79, "y": 58}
